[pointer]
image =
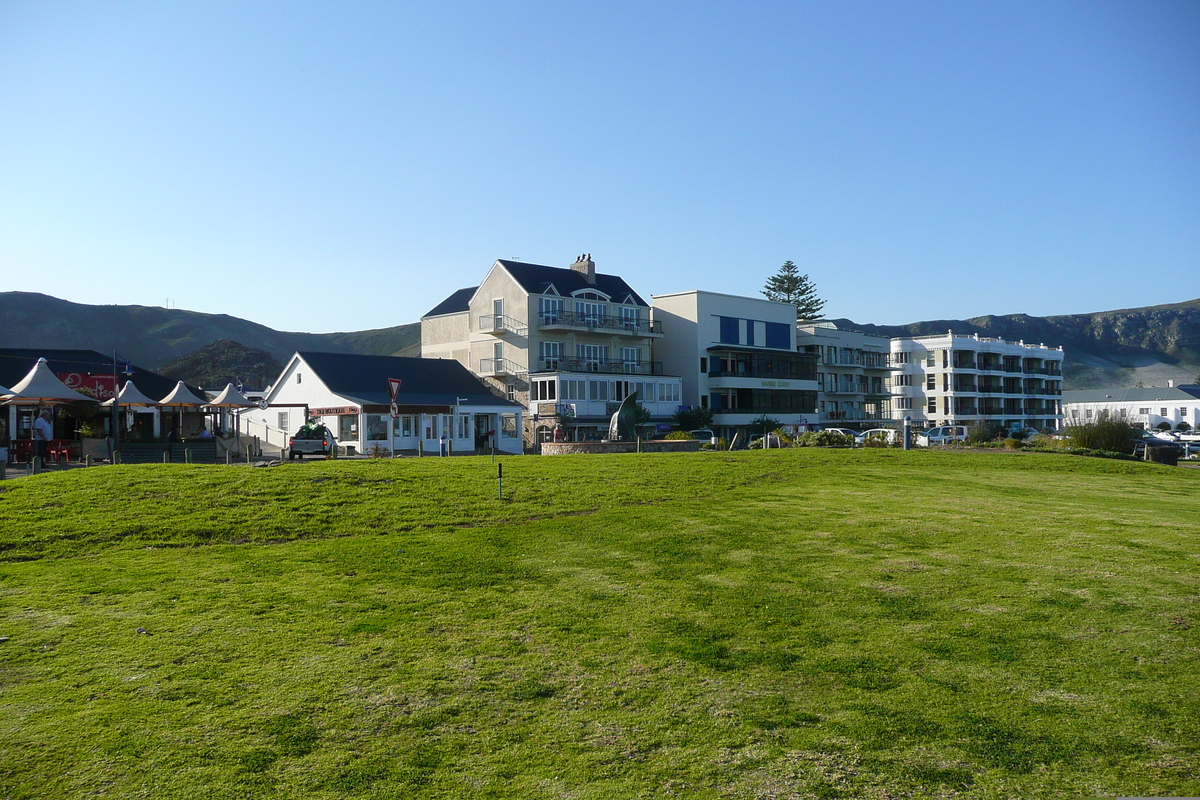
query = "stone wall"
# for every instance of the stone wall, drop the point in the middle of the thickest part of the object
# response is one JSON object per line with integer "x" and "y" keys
{"x": 648, "y": 446}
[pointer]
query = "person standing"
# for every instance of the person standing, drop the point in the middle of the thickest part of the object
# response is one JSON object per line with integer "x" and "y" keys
{"x": 43, "y": 432}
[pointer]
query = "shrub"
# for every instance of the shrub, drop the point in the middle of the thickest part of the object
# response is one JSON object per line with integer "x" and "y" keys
{"x": 1183, "y": 426}
{"x": 983, "y": 431}
{"x": 1012, "y": 443}
{"x": 1111, "y": 432}
{"x": 1163, "y": 426}
{"x": 693, "y": 419}
{"x": 379, "y": 451}
{"x": 679, "y": 435}
{"x": 783, "y": 439}
{"x": 824, "y": 439}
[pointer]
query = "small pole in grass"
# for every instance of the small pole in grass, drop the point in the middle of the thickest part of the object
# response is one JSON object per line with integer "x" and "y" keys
{"x": 500, "y": 480}
{"x": 228, "y": 458}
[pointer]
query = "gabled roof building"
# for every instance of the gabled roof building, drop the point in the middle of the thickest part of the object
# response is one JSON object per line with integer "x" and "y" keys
{"x": 350, "y": 394}
{"x": 1168, "y": 407}
{"x": 569, "y": 344}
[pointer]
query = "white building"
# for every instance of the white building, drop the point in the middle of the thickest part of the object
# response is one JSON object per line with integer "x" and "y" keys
{"x": 737, "y": 356}
{"x": 350, "y": 395}
{"x": 567, "y": 343}
{"x": 1152, "y": 408}
{"x": 948, "y": 379}
{"x": 853, "y": 375}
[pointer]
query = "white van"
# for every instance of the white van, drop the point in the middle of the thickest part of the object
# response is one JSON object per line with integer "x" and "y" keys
{"x": 942, "y": 435}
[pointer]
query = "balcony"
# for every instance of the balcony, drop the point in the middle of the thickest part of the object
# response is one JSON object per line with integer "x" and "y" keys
{"x": 570, "y": 320}
{"x": 499, "y": 366}
{"x": 602, "y": 365}
{"x": 500, "y": 324}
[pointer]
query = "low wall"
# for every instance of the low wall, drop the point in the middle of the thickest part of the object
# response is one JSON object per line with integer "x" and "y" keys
{"x": 648, "y": 446}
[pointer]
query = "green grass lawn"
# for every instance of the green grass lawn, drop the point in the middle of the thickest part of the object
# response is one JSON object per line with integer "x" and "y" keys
{"x": 796, "y": 623}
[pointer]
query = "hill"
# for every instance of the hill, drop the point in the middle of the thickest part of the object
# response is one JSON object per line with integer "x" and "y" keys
{"x": 153, "y": 337}
{"x": 1103, "y": 349}
{"x": 222, "y": 362}
{"x": 795, "y": 623}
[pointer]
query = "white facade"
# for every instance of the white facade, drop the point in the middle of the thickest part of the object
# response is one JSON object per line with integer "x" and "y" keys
{"x": 737, "y": 356}
{"x": 300, "y": 394}
{"x": 949, "y": 379}
{"x": 853, "y": 375}
{"x": 568, "y": 344}
{"x": 1152, "y": 408}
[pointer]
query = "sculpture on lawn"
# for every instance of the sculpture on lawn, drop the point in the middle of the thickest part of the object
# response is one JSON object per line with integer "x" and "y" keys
{"x": 623, "y": 425}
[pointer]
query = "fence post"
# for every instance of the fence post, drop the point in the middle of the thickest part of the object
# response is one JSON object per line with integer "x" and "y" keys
{"x": 187, "y": 456}
{"x": 87, "y": 460}
{"x": 37, "y": 465}
{"x": 166, "y": 456}
{"x": 228, "y": 458}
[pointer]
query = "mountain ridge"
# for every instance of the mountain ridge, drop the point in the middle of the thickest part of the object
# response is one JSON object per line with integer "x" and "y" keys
{"x": 1119, "y": 347}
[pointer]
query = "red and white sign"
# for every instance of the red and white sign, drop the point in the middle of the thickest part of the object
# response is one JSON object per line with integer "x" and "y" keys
{"x": 97, "y": 386}
{"x": 395, "y": 410}
{"x": 393, "y": 390}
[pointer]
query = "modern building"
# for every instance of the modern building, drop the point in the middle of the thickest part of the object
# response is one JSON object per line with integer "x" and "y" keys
{"x": 569, "y": 344}
{"x": 737, "y": 356}
{"x": 853, "y": 375}
{"x": 1152, "y": 408}
{"x": 949, "y": 379}
{"x": 437, "y": 399}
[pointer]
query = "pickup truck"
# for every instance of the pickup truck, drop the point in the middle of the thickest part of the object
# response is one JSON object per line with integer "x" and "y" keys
{"x": 312, "y": 440}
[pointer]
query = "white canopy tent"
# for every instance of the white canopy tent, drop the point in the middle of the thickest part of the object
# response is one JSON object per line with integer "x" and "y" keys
{"x": 182, "y": 397}
{"x": 133, "y": 397}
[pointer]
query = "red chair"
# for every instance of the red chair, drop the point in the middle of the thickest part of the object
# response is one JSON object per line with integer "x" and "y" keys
{"x": 22, "y": 451}
{"x": 60, "y": 450}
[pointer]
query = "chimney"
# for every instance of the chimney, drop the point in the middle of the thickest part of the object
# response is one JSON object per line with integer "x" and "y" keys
{"x": 586, "y": 267}
{"x": 1170, "y": 384}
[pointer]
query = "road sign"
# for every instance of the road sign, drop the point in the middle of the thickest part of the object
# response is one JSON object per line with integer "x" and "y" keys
{"x": 393, "y": 388}
{"x": 395, "y": 410}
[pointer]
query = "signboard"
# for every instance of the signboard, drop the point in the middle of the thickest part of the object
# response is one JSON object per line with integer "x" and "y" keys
{"x": 97, "y": 386}
{"x": 395, "y": 410}
{"x": 333, "y": 411}
{"x": 393, "y": 390}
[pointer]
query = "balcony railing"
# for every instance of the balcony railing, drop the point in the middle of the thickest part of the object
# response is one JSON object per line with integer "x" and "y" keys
{"x": 499, "y": 324}
{"x": 599, "y": 322}
{"x": 605, "y": 365}
{"x": 499, "y": 366}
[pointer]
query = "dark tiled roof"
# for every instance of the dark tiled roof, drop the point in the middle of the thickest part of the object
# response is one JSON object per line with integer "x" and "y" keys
{"x": 425, "y": 381}
{"x": 535, "y": 278}
{"x": 16, "y": 363}
{"x": 459, "y": 301}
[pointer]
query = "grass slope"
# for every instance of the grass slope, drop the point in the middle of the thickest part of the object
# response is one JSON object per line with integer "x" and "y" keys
{"x": 762, "y": 625}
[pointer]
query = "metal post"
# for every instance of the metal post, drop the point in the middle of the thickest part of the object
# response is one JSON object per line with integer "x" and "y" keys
{"x": 228, "y": 458}
{"x": 187, "y": 456}
{"x": 500, "y": 480}
{"x": 37, "y": 465}
{"x": 420, "y": 447}
{"x": 639, "y": 444}
{"x": 907, "y": 432}
{"x": 167, "y": 456}
{"x": 87, "y": 460}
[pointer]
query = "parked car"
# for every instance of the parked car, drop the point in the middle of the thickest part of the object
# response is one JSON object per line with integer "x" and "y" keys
{"x": 843, "y": 431}
{"x": 756, "y": 441}
{"x": 703, "y": 434}
{"x": 943, "y": 435}
{"x": 1147, "y": 440}
{"x": 889, "y": 435}
{"x": 311, "y": 440}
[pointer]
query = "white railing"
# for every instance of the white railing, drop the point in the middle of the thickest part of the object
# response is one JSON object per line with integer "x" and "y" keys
{"x": 267, "y": 434}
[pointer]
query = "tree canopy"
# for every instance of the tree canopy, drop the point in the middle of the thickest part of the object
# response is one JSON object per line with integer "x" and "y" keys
{"x": 789, "y": 286}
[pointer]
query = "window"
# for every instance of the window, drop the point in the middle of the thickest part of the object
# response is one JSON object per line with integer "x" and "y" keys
{"x": 820, "y": 381}
{"x": 904, "y": 380}
{"x": 931, "y": 359}
{"x": 589, "y": 313}
{"x": 407, "y": 425}
{"x": 729, "y": 330}
{"x": 1144, "y": 411}
{"x": 900, "y": 358}
{"x": 431, "y": 426}
{"x": 598, "y": 390}
{"x": 631, "y": 358}
{"x": 550, "y": 310}
{"x": 592, "y": 355}
{"x": 903, "y": 403}
{"x": 508, "y": 426}
{"x": 703, "y": 364}
{"x": 931, "y": 382}
{"x": 647, "y": 393}
{"x": 377, "y": 427}
{"x": 629, "y": 318}
{"x": 574, "y": 390}
{"x": 510, "y": 391}
{"x": 348, "y": 427}
{"x": 1183, "y": 411}
{"x": 668, "y": 392}
{"x": 284, "y": 421}
{"x": 931, "y": 406}
{"x": 464, "y": 426}
{"x": 1162, "y": 412}
{"x": 830, "y": 354}
{"x": 298, "y": 377}
{"x": 551, "y": 353}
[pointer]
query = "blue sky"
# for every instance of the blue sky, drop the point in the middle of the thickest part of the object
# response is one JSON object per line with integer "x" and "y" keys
{"x": 345, "y": 166}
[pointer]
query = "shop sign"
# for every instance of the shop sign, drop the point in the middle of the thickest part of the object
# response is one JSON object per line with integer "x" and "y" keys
{"x": 97, "y": 386}
{"x": 777, "y": 384}
{"x": 332, "y": 411}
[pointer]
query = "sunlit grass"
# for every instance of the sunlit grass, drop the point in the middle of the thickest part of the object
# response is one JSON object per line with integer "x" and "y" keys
{"x": 783, "y": 624}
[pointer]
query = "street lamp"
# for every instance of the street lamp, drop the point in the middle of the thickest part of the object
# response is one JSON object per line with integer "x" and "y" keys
{"x": 116, "y": 406}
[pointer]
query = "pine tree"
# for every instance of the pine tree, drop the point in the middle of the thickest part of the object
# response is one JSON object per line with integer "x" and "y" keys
{"x": 789, "y": 286}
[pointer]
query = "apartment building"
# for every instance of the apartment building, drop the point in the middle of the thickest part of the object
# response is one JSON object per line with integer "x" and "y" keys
{"x": 569, "y": 344}
{"x": 737, "y": 356}
{"x": 853, "y": 375}
{"x": 1153, "y": 408}
{"x": 947, "y": 379}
